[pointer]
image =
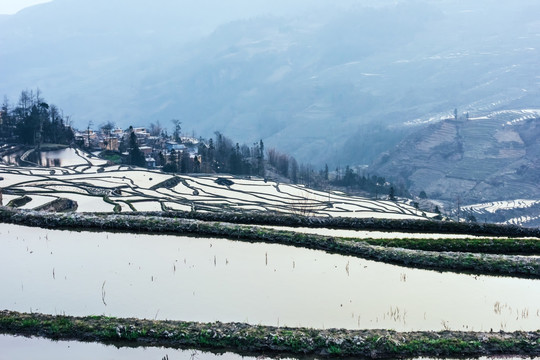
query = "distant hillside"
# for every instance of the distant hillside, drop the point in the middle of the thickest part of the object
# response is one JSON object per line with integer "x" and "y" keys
{"x": 327, "y": 82}
{"x": 480, "y": 159}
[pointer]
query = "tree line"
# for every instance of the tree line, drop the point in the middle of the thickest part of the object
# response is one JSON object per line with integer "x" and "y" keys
{"x": 222, "y": 155}
{"x": 32, "y": 121}
{"x": 217, "y": 155}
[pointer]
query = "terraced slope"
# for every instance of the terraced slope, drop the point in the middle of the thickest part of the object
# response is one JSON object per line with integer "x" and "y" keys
{"x": 479, "y": 159}
{"x": 124, "y": 189}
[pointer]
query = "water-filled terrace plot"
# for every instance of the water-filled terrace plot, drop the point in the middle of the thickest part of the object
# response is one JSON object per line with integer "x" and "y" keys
{"x": 213, "y": 279}
{"x": 244, "y": 284}
{"x": 95, "y": 187}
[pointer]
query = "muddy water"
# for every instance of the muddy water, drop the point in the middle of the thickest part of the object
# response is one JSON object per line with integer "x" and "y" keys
{"x": 199, "y": 279}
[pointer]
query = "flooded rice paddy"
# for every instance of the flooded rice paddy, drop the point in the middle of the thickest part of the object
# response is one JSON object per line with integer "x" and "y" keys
{"x": 371, "y": 234}
{"x": 73, "y": 174}
{"x": 23, "y": 348}
{"x": 201, "y": 279}
{"x": 19, "y": 347}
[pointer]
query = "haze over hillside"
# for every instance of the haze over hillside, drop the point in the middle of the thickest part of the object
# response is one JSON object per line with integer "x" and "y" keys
{"x": 328, "y": 83}
{"x": 486, "y": 158}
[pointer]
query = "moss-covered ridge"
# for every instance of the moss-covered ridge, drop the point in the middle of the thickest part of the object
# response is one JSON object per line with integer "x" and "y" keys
{"x": 518, "y": 266}
{"x": 413, "y": 226}
{"x": 271, "y": 340}
{"x": 507, "y": 246}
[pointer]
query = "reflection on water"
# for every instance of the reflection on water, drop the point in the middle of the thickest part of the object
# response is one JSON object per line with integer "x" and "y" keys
{"x": 12, "y": 159}
{"x": 23, "y": 348}
{"x": 199, "y": 279}
{"x": 54, "y": 158}
{"x": 57, "y": 158}
{"x": 18, "y": 347}
{"x": 370, "y": 234}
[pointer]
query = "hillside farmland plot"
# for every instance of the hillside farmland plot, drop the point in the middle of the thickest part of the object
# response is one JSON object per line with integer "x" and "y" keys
{"x": 98, "y": 188}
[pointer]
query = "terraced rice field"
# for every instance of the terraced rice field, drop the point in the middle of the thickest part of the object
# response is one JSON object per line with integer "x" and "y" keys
{"x": 99, "y": 188}
{"x": 266, "y": 285}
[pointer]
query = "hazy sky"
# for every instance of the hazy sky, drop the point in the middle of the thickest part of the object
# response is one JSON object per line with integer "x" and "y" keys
{"x": 13, "y": 6}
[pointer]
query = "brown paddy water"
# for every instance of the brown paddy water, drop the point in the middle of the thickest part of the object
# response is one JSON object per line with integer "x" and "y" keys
{"x": 202, "y": 279}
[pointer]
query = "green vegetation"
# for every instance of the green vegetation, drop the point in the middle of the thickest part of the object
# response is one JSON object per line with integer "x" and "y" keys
{"x": 518, "y": 266}
{"x": 472, "y": 245}
{"x": 389, "y": 225}
{"x": 270, "y": 340}
{"x": 111, "y": 156}
{"x": 135, "y": 155}
{"x": 34, "y": 122}
{"x": 19, "y": 202}
{"x": 53, "y": 147}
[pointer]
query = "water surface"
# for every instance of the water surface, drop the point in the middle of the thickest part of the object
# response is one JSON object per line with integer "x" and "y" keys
{"x": 24, "y": 348}
{"x": 201, "y": 279}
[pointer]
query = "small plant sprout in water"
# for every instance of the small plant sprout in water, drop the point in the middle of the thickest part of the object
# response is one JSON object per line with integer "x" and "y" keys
{"x": 497, "y": 308}
{"x": 445, "y": 325}
{"x": 397, "y": 315}
{"x": 347, "y": 268}
{"x": 103, "y": 293}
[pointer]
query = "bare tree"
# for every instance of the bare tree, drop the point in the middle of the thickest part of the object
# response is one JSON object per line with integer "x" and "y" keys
{"x": 156, "y": 128}
{"x": 106, "y": 130}
{"x": 177, "y": 129}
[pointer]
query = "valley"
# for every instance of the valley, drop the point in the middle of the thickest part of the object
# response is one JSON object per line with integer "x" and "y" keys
{"x": 251, "y": 179}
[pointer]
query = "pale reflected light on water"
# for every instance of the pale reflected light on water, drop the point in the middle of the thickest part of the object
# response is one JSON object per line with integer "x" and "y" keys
{"x": 23, "y": 348}
{"x": 201, "y": 279}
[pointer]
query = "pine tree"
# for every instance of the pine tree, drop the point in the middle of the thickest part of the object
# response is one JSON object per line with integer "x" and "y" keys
{"x": 136, "y": 156}
{"x": 392, "y": 193}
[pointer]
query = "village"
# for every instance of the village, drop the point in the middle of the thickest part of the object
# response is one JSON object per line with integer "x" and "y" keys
{"x": 158, "y": 149}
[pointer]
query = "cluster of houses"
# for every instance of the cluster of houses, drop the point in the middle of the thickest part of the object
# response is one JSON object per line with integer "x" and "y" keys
{"x": 156, "y": 149}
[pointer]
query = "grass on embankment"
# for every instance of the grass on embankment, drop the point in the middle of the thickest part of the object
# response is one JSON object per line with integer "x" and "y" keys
{"x": 389, "y": 225}
{"x": 499, "y": 246}
{"x": 454, "y": 261}
{"x": 270, "y": 340}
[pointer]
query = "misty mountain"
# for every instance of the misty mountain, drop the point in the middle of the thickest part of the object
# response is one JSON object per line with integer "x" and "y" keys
{"x": 327, "y": 83}
{"x": 477, "y": 159}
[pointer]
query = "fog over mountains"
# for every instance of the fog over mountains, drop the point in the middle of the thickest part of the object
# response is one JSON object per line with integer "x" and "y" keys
{"x": 329, "y": 82}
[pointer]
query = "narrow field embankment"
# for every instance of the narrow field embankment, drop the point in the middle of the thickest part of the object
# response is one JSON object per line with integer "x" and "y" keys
{"x": 507, "y": 265}
{"x": 268, "y": 340}
{"x": 500, "y": 246}
{"x": 412, "y": 226}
